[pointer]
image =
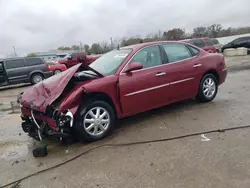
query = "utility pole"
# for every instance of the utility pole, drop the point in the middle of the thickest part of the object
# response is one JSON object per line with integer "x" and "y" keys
{"x": 111, "y": 40}
{"x": 14, "y": 51}
{"x": 80, "y": 45}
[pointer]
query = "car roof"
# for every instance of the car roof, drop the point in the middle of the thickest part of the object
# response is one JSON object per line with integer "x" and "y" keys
{"x": 142, "y": 45}
{"x": 202, "y": 38}
{"x": 17, "y": 58}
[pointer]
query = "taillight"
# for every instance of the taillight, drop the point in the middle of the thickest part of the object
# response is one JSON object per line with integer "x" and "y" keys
{"x": 48, "y": 67}
{"x": 223, "y": 64}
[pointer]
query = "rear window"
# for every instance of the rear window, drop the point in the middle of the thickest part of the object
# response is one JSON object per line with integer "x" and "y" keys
{"x": 34, "y": 61}
{"x": 215, "y": 41}
{"x": 191, "y": 42}
{"x": 199, "y": 43}
{"x": 209, "y": 42}
{"x": 15, "y": 63}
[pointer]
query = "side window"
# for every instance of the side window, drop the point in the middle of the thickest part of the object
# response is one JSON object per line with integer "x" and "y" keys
{"x": 215, "y": 41}
{"x": 208, "y": 42}
{"x": 34, "y": 61}
{"x": 148, "y": 57}
{"x": 191, "y": 42}
{"x": 12, "y": 64}
{"x": 199, "y": 43}
{"x": 177, "y": 52}
{"x": 243, "y": 39}
{"x": 73, "y": 56}
{"x": 194, "y": 50}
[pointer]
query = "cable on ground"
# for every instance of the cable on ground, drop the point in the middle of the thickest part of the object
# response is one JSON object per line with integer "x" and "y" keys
{"x": 17, "y": 182}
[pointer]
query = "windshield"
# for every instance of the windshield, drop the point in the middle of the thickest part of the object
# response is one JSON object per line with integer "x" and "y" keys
{"x": 67, "y": 56}
{"x": 108, "y": 63}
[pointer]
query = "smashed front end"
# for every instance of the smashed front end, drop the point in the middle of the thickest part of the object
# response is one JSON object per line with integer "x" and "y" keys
{"x": 48, "y": 109}
{"x": 40, "y": 125}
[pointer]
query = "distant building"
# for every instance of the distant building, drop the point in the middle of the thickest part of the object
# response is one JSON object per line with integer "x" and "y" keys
{"x": 54, "y": 55}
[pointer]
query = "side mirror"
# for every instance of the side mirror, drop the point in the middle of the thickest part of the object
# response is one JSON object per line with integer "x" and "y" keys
{"x": 133, "y": 66}
{"x": 69, "y": 58}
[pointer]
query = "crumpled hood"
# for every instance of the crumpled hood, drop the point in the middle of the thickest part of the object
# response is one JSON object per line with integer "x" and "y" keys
{"x": 39, "y": 96}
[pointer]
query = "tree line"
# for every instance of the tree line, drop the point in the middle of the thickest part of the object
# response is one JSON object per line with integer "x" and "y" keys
{"x": 212, "y": 31}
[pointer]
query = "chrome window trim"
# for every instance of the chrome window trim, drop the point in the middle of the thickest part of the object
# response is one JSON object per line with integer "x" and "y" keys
{"x": 122, "y": 73}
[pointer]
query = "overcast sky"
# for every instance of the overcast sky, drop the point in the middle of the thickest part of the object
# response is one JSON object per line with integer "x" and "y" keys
{"x": 40, "y": 25}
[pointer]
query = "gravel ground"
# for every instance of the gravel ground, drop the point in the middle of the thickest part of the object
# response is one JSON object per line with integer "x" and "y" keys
{"x": 220, "y": 161}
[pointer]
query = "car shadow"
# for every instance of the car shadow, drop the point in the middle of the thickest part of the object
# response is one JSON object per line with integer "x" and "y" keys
{"x": 172, "y": 108}
{"x": 9, "y": 87}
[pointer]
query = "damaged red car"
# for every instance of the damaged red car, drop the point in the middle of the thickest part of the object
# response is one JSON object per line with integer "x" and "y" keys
{"x": 84, "y": 101}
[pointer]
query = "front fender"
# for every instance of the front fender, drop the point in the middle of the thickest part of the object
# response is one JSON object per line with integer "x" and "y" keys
{"x": 72, "y": 101}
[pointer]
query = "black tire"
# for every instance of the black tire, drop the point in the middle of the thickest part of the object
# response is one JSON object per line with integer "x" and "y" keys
{"x": 57, "y": 71}
{"x": 201, "y": 95}
{"x": 41, "y": 151}
{"x": 79, "y": 129}
{"x": 35, "y": 76}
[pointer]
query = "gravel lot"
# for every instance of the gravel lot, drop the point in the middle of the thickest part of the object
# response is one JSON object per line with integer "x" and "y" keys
{"x": 218, "y": 159}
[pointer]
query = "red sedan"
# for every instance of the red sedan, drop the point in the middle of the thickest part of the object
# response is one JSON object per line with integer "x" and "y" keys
{"x": 56, "y": 68}
{"x": 204, "y": 43}
{"x": 85, "y": 101}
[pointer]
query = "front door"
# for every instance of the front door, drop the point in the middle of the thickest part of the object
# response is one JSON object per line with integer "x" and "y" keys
{"x": 3, "y": 78}
{"x": 15, "y": 70}
{"x": 183, "y": 70}
{"x": 143, "y": 89}
{"x": 73, "y": 60}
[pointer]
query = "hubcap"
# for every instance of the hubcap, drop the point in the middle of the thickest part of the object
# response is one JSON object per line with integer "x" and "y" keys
{"x": 209, "y": 87}
{"x": 96, "y": 121}
{"x": 57, "y": 72}
{"x": 38, "y": 79}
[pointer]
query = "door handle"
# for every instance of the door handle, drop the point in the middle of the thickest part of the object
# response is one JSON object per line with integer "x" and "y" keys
{"x": 160, "y": 74}
{"x": 197, "y": 65}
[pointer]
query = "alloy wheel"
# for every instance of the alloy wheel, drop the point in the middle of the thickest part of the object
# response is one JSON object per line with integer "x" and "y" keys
{"x": 209, "y": 87}
{"x": 96, "y": 121}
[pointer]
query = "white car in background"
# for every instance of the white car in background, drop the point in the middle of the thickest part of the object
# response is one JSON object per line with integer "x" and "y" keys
{"x": 217, "y": 45}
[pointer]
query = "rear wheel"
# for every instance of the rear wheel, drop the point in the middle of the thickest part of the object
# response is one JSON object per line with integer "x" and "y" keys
{"x": 96, "y": 119}
{"x": 208, "y": 88}
{"x": 36, "y": 78}
{"x": 57, "y": 72}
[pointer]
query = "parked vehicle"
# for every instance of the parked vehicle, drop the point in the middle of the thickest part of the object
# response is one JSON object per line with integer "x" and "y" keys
{"x": 217, "y": 45}
{"x": 204, "y": 43}
{"x": 237, "y": 43}
{"x": 85, "y": 101}
{"x": 23, "y": 70}
{"x": 75, "y": 58}
{"x": 56, "y": 68}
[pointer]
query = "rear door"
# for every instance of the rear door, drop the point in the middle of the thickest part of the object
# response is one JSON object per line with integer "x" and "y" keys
{"x": 144, "y": 89}
{"x": 15, "y": 70}
{"x": 182, "y": 70}
{"x": 35, "y": 65}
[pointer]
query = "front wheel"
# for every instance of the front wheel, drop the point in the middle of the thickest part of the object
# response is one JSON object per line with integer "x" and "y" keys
{"x": 57, "y": 72}
{"x": 208, "y": 88}
{"x": 95, "y": 121}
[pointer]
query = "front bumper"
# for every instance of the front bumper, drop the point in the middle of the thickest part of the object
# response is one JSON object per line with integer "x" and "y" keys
{"x": 48, "y": 74}
{"x": 40, "y": 126}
